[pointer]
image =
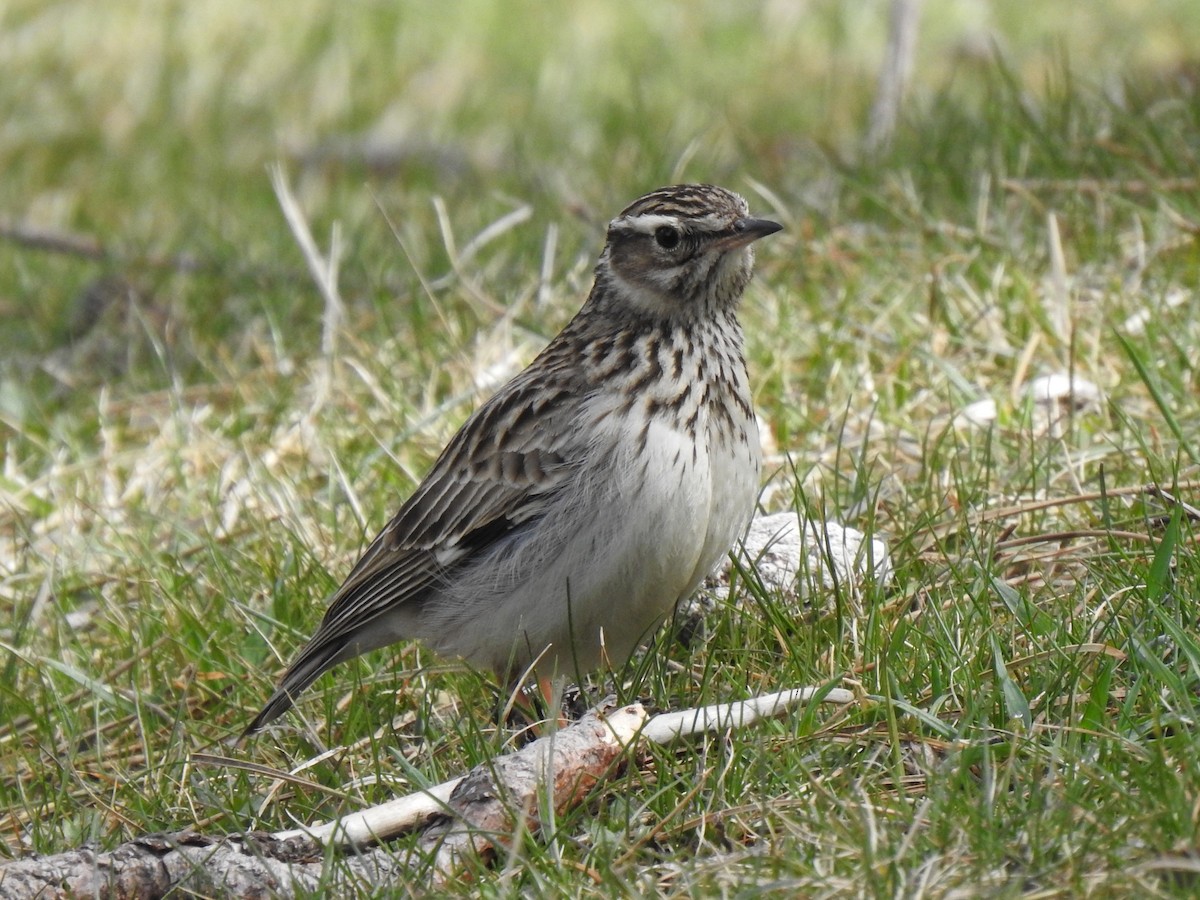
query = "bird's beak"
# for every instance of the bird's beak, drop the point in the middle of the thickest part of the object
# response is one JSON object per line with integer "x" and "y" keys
{"x": 747, "y": 231}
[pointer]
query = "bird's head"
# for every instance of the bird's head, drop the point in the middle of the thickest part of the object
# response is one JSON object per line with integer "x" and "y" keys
{"x": 683, "y": 251}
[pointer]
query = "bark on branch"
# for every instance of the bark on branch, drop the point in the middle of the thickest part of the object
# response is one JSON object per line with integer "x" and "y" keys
{"x": 469, "y": 818}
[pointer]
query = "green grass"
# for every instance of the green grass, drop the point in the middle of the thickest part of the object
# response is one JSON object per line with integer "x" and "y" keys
{"x": 185, "y": 475}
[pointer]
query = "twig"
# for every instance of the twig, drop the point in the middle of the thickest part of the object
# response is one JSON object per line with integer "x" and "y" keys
{"x": 894, "y": 74}
{"x": 324, "y": 271}
{"x": 87, "y": 247}
{"x": 403, "y": 814}
{"x": 668, "y": 727}
{"x": 468, "y": 818}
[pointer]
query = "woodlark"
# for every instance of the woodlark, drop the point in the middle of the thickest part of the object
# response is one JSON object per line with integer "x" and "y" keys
{"x": 596, "y": 489}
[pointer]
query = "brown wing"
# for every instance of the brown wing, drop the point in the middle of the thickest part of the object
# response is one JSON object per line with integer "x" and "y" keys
{"x": 497, "y": 474}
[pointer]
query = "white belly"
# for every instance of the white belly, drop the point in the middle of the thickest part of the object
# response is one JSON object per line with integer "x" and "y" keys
{"x": 651, "y": 523}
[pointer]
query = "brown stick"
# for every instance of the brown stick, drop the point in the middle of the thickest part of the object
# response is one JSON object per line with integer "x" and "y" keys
{"x": 468, "y": 819}
{"x": 487, "y": 806}
{"x": 85, "y": 246}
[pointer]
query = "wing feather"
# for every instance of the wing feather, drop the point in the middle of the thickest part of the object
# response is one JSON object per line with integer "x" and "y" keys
{"x": 498, "y": 473}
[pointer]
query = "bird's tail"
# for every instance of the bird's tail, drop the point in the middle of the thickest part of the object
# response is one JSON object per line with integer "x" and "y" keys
{"x": 318, "y": 657}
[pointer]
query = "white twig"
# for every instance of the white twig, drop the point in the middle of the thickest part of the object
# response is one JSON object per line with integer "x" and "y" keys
{"x": 471, "y": 818}
{"x": 668, "y": 727}
{"x": 378, "y": 823}
{"x": 627, "y": 725}
{"x": 459, "y": 259}
{"x": 324, "y": 271}
{"x": 505, "y": 223}
{"x": 895, "y": 73}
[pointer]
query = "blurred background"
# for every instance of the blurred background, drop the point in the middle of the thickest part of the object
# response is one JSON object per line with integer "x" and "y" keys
{"x": 134, "y": 137}
{"x": 196, "y": 440}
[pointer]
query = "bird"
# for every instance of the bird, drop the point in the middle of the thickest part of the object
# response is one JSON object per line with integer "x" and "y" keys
{"x": 592, "y": 492}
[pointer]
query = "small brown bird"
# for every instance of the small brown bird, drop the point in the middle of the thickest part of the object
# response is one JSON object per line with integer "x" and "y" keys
{"x": 596, "y": 489}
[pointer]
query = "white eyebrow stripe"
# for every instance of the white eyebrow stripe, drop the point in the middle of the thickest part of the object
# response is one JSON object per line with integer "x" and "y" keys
{"x": 648, "y": 223}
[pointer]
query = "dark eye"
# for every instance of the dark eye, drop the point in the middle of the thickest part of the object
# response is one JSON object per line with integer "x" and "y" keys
{"x": 667, "y": 237}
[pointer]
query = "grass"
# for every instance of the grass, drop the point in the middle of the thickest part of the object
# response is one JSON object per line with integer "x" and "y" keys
{"x": 187, "y": 474}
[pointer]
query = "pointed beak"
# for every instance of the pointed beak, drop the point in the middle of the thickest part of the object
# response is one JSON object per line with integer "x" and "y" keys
{"x": 747, "y": 231}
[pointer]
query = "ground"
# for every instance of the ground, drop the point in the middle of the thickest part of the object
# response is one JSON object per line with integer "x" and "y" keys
{"x": 196, "y": 441}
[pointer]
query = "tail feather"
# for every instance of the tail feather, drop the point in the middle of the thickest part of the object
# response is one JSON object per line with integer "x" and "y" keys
{"x": 314, "y": 660}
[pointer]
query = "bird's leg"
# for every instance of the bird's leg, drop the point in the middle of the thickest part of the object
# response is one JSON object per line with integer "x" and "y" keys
{"x": 533, "y": 710}
{"x": 551, "y": 690}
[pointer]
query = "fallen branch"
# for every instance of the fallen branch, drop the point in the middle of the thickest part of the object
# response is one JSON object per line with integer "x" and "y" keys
{"x": 469, "y": 818}
{"x": 88, "y": 247}
{"x": 404, "y": 814}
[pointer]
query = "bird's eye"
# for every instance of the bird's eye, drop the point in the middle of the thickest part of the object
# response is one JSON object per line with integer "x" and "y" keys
{"x": 667, "y": 237}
